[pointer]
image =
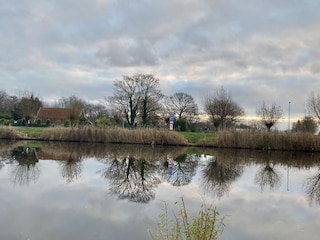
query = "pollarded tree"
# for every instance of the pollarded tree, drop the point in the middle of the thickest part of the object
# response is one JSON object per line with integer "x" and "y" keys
{"x": 27, "y": 107}
{"x": 269, "y": 115}
{"x": 222, "y": 109}
{"x": 183, "y": 105}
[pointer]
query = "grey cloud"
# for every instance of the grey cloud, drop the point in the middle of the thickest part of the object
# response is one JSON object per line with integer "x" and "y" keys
{"x": 127, "y": 52}
{"x": 257, "y": 49}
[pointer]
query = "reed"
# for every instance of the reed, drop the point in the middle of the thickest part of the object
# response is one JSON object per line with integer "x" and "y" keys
{"x": 11, "y": 133}
{"x": 206, "y": 225}
{"x": 268, "y": 140}
{"x": 114, "y": 135}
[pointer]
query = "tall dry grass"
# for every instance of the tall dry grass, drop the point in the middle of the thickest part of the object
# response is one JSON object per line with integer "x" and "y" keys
{"x": 10, "y": 133}
{"x": 114, "y": 135}
{"x": 268, "y": 140}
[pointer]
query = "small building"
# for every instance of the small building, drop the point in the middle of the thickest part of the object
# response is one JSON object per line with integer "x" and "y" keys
{"x": 61, "y": 116}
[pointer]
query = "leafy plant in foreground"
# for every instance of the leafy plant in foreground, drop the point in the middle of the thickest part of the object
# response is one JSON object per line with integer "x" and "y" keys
{"x": 206, "y": 225}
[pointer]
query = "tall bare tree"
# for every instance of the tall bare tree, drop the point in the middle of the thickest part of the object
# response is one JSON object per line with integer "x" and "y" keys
{"x": 150, "y": 98}
{"x": 269, "y": 115}
{"x": 136, "y": 96}
{"x": 126, "y": 98}
{"x": 222, "y": 109}
{"x": 182, "y": 105}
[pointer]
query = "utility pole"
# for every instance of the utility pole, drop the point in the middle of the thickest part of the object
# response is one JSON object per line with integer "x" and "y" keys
{"x": 289, "y": 118}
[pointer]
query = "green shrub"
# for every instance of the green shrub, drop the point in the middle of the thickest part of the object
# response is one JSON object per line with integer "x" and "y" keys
{"x": 103, "y": 121}
{"x": 48, "y": 122}
{"x": 67, "y": 123}
{"x": 180, "y": 125}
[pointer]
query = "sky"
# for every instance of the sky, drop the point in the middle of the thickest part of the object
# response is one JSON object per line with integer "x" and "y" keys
{"x": 257, "y": 50}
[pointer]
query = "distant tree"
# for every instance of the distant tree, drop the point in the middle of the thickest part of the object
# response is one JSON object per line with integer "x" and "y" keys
{"x": 75, "y": 104}
{"x": 182, "y": 105}
{"x": 7, "y": 102}
{"x": 95, "y": 111}
{"x": 269, "y": 116}
{"x": 135, "y": 96}
{"x": 307, "y": 124}
{"x": 313, "y": 105}
{"x": 3, "y": 99}
{"x": 27, "y": 107}
{"x": 223, "y": 111}
{"x": 151, "y": 95}
{"x": 126, "y": 98}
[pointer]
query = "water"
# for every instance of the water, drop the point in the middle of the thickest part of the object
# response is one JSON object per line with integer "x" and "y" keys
{"x": 81, "y": 191}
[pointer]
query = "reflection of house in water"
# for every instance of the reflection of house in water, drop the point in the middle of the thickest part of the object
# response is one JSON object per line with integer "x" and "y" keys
{"x": 25, "y": 155}
{"x": 26, "y": 170}
{"x": 59, "y": 156}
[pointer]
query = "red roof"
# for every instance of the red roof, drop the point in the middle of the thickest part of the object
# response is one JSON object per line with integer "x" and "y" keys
{"x": 61, "y": 114}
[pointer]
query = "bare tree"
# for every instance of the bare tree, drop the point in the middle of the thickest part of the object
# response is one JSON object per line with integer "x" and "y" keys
{"x": 223, "y": 111}
{"x": 3, "y": 99}
{"x": 313, "y": 105}
{"x": 150, "y": 98}
{"x": 126, "y": 98}
{"x": 136, "y": 96}
{"x": 269, "y": 116}
{"x": 75, "y": 104}
{"x": 183, "y": 105}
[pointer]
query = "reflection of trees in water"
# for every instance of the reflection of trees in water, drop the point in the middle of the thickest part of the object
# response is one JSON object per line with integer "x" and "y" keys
{"x": 268, "y": 175}
{"x": 26, "y": 170}
{"x": 132, "y": 179}
{"x": 219, "y": 175}
{"x": 179, "y": 172}
{"x": 312, "y": 188}
{"x": 71, "y": 168}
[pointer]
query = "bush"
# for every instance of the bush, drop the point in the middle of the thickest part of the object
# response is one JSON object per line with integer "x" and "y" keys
{"x": 48, "y": 122}
{"x": 180, "y": 125}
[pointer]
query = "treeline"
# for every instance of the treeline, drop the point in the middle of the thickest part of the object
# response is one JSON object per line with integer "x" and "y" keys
{"x": 137, "y": 101}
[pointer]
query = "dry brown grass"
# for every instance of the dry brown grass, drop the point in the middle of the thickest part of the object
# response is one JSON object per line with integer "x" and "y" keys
{"x": 268, "y": 141}
{"x": 114, "y": 135}
{"x": 10, "y": 133}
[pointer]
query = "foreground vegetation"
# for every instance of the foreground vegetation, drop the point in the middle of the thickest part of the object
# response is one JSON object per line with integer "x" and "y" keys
{"x": 260, "y": 140}
{"x": 206, "y": 225}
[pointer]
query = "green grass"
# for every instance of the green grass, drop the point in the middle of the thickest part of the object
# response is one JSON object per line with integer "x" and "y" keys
{"x": 199, "y": 137}
{"x": 32, "y": 132}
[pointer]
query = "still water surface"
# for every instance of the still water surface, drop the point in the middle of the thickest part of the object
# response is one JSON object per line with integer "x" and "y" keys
{"x": 81, "y": 191}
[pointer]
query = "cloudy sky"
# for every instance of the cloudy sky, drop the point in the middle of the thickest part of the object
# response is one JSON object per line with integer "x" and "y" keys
{"x": 258, "y": 50}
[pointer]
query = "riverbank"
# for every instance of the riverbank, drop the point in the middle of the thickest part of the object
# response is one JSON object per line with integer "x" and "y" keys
{"x": 259, "y": 140}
